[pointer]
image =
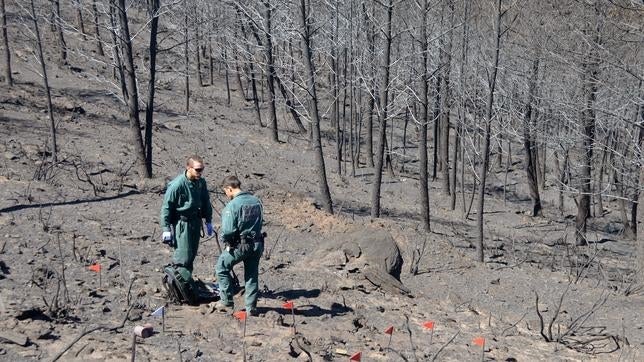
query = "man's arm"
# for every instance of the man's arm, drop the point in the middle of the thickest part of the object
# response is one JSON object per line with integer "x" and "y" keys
{"x": 205, "y": 202}
{"x": 228, "y": 230}
{"x": 168, "y": 208}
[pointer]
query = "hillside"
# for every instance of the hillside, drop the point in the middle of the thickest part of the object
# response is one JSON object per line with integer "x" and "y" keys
{"x": 94, "y": 207}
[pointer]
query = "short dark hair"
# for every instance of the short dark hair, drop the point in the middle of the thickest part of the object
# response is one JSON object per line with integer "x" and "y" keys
{"x": 193, "y": 158}
{"x": 231, "y": 181}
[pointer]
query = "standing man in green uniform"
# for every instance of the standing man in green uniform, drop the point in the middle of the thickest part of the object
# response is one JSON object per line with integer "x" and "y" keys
{"x": 241, "y": 232}
{"x": 186, "y": 202}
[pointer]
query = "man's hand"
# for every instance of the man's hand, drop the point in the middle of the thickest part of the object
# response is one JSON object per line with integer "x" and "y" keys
{"x": 244, "y": 247}
{"x": 167, "y": 237}
{"x": 209, "y": 229}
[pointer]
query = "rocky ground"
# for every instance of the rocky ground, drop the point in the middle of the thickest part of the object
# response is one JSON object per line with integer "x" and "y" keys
{"x": 93, "y": 208}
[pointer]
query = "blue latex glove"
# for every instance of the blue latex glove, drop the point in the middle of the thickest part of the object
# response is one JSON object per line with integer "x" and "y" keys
{"x": 209, "y": 230}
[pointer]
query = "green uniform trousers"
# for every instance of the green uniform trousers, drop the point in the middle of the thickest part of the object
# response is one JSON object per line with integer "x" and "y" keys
{"x": 225, "y": 263}
{"x": 186, "y": 234}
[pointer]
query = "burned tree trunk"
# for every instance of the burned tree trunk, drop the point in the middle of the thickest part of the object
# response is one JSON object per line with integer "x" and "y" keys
{"x": 253, "y": 81}
{"x": 50, "y": 108}
{"x": 186, "y": 60}
{"x": 290, "y": 106}
{"x": 446, "y": 61}
{"x": 461, "y": 111}
{"x": 528, "y": 142}
{"x": 270, "y": 70}
{"x": 591, "y": 70}
{"x": 5, "y": 43}
{"x": 486, "y": 141}
{"x": 316, "y": 141}
{"x": 382, "y": 132}
{"x": 99, "y": 42}
{"x": 79, "y": 19}
{"x": 422, "y": 129}
{"x": 58, "y": 23}
{"x": 132, "y": 92}
{"x": 153, "y": 12}
{"x": 371, "y": 38}
{"x": 636, "y": 197}
{"x": 640, "y": 181}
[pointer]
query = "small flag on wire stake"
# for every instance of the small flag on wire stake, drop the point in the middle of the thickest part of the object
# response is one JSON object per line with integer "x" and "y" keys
{"x": 160, "y": 312}
{"x": 390, "y": 332}
{"x": 429, "y": 325}
{"x": 356, "y": 357}
{"x": 241, "y": 315}
{"x": 289, "y": 305}
{"x": 97, "y": 269}
{"x": 480, "y": 341}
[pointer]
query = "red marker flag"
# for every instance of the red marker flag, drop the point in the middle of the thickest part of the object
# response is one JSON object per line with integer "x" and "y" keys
{"x": 356, "y": 357}
{"x": 240, "y": 314}
{"x": 428, "y": 325}
{"x": 288, "y": 305}
{"x": 479, "y": 341}
{"x": 389, "y": 330}
{"x": 95, "y": 267}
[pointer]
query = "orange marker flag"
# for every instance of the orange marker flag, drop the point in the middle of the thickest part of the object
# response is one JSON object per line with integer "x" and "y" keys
{"x": 429, "y": 325}
{"x": 479, "y": 341}
{"x": 240, "y": 314}
{"x": 289, "y": 305}
{"x": 390, "y": 332}
{"x": 96, "y": 267}
{"x": 356, "y": 357}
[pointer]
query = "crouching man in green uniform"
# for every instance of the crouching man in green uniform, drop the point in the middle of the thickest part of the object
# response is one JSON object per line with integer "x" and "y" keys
{"x": 186, "y": 202}
{"x": 241, "y": 232}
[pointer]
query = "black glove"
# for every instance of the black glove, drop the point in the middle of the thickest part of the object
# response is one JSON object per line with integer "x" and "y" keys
{"x": 244, "y": 247}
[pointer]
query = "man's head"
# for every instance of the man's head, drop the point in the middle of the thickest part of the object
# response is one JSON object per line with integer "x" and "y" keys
{"x": 231, "y": 186}
{"x": 194, "y": 167}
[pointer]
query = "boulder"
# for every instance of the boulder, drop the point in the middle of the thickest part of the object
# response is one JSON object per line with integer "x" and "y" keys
{"x": 373, "y": 253}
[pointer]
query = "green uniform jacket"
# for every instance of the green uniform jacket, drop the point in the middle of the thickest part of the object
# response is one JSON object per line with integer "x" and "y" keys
{"x": 185, "y": 198}
{"x": 244, "y": 214}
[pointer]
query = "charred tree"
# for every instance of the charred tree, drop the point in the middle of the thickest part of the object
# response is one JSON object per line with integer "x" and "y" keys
{"x": 528, "y": 141}
{"x": 153, "y": 12}
{"x": 270, "y": 70}
{"x": 251, "y": 66}
{"x": 186, "y": 60}
{"x": 79, "y": 19}
{"x": 316, "y": 140}
{"x": 423, "y": 175}
{"x": 588, "y": 117}
{"x": 43, "y": 67}
{"x": 382, "y": 132}
{"x": 445, "y": 99}
{"x": 5, "y": 42}
{"x": 99, "y": 42}
{"x": 58, "y": 24}
{"x": 371, "y": 39}
{"x": 488, "y": 123}
{"x": 132, "y": 97}
{"x": 461, "y": 111}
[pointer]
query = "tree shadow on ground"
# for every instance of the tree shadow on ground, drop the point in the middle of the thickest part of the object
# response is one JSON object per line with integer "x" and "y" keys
{"x": 310, "y": 310}
{"x": 307, "y": 310}
{"x": 293, "y": 294}
{"x": 71, "y": 202}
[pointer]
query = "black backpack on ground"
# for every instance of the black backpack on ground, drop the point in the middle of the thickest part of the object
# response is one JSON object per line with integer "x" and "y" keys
{"x": 190, "y": 292}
